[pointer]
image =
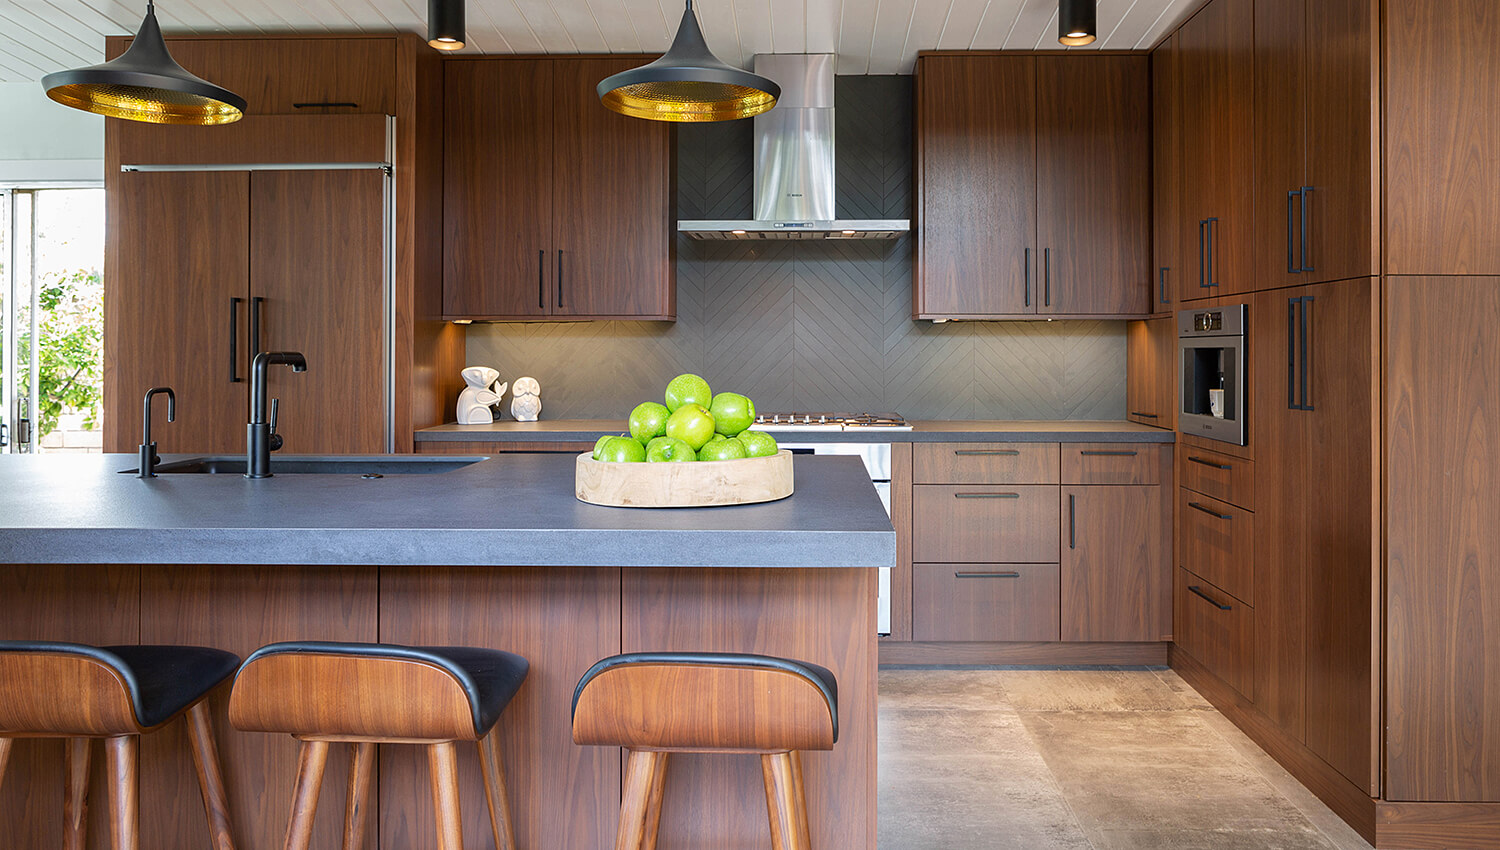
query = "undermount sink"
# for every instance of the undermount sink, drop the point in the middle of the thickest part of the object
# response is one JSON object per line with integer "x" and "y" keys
{"x": 378, "y": 465}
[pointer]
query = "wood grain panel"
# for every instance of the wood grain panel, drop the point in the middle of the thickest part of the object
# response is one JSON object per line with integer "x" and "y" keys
{"x": 1443, "y": 532}
{"x": 1442, "y": 154}
{"x": 612, "y": 222}
{"x": 1438, "y": 826}
{"x": 563, "y": 795}
{"x": 1280, "y": 141}
{"x": 1094, "y": 183}
{"x": 1217, "y": 630}
{"x": 253, "y": 139}
{"x": 1151, "y": 372}
{"x": 1217, "y": 541}
{"x": 168, "y": 315}
{"x": 985, "y": 602}
{"x": 985, "y": 463}
{"x": 1112, "y": 463}
{"x": 1047, "y": 654}
{"x": 823, "y": 616}
{"x": 1228, "y": 479}
{"x": 976, "y": 174}
{"x": 498, "y": 256}
{"x": 1169, "y": 257}
{"x": 317, "y": 258}
{"x": 1114, "y": 568}
{"x": 98, "y": 605}
{"x": 241, "y": 609}
{"x": 902, "y": 579}
{"x": 968, "y": 523}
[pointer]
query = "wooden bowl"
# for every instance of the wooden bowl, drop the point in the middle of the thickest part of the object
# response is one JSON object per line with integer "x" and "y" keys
{"x": 684, "y": 485}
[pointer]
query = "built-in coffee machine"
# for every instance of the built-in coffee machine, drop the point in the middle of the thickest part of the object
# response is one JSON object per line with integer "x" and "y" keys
{"x": 1211, "y": 373}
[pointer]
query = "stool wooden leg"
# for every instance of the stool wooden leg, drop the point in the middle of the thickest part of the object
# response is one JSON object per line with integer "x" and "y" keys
{"x": 362, "y": 756}
{"x": 785, "y": 802}
{"x": 76, "y": 797}
{"x": 640, "y": 808}
{"x": 210, "y": 777}
{"x": 311, "y": 760}
{"x": 122, "y": 755}
{"x": 4, "y": 756}
{"x": 442, "y": 762}
{"x": 494, "y": 790}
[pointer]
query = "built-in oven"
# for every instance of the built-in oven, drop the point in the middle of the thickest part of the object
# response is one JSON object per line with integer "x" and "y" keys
{"x": 1211, "y": 373}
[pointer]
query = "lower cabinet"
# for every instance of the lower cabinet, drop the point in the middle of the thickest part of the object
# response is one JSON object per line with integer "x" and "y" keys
{"x": 1217, "y": 630}
{"x": 1113, "y": 576}
{"x": 999, "y": 602}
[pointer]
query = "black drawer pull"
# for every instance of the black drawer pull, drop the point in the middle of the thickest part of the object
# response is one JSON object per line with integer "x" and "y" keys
{"x": 1212, "y": 601}
{"x": 1144, "y": 415}
{"x": 343, "y": 104}
{"x": 1100, "y": 452}
{"x": 986, "y": 495}
{"x": 1209, "y": 463}
{"x": 1072, "y": 521}
{"x": 1210, "y": 511}
{"x": 234, "y": 344}
{"x": 986, "y": 575}
{"x": 1007, "y": 452}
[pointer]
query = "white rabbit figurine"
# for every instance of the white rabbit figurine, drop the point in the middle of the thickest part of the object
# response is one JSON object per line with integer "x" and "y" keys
{"x": 526, "y": 401}
{"x": 482, "y": 392}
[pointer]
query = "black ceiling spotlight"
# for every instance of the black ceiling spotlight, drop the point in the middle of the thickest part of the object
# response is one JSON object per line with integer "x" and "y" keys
{"x": 145, "y": 84}
{"x": 688, "y": 83}
{"x": 1076, "y": 24}
{"x": 445, "y": 24}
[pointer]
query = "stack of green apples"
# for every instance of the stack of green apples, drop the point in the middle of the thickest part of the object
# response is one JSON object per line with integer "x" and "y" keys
{"x": 695, "y": 424}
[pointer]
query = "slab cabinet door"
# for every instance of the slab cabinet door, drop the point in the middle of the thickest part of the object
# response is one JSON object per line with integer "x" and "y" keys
{"x": 1168, "y": 259}
{"x": 1114, "y": 568}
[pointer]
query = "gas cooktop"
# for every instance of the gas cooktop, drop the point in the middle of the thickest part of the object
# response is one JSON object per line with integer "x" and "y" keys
{"x": 799, "y": 421}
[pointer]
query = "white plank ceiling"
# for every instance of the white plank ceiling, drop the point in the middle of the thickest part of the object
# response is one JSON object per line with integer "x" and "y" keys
{"x": 869, "y": 36}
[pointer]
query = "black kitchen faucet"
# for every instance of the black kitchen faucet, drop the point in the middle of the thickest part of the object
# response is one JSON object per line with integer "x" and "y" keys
{"x": 261, "y": 438}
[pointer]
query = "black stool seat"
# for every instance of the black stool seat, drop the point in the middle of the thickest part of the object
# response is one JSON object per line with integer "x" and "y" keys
{"x": 161, "y": 680}
{"x": 489, "y": 678}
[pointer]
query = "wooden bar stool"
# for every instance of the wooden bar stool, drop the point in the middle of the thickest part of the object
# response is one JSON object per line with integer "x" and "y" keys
{"x": 118, "y": 693}
{"x": 366, "y": 694}
{"x": 657, "y": 703}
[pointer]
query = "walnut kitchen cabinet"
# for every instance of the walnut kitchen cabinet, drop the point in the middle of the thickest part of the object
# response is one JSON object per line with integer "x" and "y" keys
{"x": 1316, "y": 120}
{"x": 555, "y": 208}
{"x": 1151, "y": 372}
{"x": 1169, "y": 261}
{"x": 298, "y": 75}
{"x": 1033, "y": 176}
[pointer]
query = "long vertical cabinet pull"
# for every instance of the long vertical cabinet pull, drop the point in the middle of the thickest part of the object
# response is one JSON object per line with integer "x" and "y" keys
{"x": 1161, "y": 283}
{"x": 1291, "y": 250}
{"x": 1305, "y": 192}
{"x": 234, "y": 340}
{"x": 1291, "y": 354}
{"x": 1307, "y": 302}
{"x": 1296, "y": 352}
{"x": 1212, "y": 226}
{"x": 1072, "y": 521}
{"x": 1202, "y": 255}
{"x": 541, "y": 279}
{"x": 1046, "y": 277}
{"x": 559, "y": 279}
{"x": 1026, "y": 279}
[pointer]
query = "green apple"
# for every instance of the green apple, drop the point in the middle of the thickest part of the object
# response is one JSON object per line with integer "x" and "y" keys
{"x": 732, "y": 412}
{"x": 692, "y": 424}
{"x": 598, "y": 446}
{"x": 728, "y": 449}
{"x": 669, "y": 449}
{"x": 622, "y": 450}
{"x": 758, "y": 443}
{"x": 688, "y": 389}
{"x": 648, "y": 421}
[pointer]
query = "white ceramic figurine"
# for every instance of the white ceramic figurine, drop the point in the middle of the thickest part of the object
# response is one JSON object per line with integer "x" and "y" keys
{"x": 526, "y": 401}
{"x": 482, "y": 392}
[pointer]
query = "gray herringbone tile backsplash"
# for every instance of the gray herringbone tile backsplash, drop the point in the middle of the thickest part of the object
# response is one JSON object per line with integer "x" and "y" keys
{"x": 814, "y": 325}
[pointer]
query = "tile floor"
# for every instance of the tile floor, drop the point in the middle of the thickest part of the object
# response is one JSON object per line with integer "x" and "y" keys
{"x": 1094, "y": 759}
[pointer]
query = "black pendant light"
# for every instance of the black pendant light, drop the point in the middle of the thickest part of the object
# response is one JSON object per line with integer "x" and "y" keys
{"x": 145, "y": 84}
{"x": 688, "y": 83}
{"x": 445, "y": 24}
{"x": 1076, "y": 22}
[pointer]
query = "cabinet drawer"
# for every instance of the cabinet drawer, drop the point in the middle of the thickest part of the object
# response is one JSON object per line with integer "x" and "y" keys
{"x": 1217, "y": 541}
{"x": 1217, "y": 630}
{"x": 1111, "y": 463}
{"x": 985, "y": 524}
{"x": 1228, "y": 479}
{"x": 985, "y": 602}
{"x": 984, "y": 463}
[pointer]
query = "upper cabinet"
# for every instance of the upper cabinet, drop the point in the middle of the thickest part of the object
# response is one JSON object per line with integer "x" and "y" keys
{"x": 1033, "y": 186}
{"x": 554, "y": 207}
{"x": 1316, "y": 67}
{"x": 295, "y": 76}
{"x": 1168, "y": 259}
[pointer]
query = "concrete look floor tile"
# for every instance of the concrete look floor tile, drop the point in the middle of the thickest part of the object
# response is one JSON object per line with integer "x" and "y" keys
{"x": 1190, "y": 698}
{"x": 1087, "y": 690}
{"x": 941, "y": 689}
{"x": 1166, "y": 839}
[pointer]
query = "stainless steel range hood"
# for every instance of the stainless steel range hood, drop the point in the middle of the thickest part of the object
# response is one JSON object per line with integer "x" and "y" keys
{"x": 794, "y": 188}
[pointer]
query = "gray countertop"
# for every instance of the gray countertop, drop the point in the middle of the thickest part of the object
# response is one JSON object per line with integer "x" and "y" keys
{"x": 945, "y": 431}
{"x": 507, "y": 510}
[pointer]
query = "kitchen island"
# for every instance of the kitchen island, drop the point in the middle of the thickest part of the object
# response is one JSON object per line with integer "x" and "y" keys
{"x": 496, "y": 553}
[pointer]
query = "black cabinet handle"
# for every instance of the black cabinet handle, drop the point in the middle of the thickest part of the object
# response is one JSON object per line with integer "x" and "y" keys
{"x": 1291, "y": 354}
{"x": 326, "y": 105}
{"x": 559, "y": 279}
{"x": 1212, "y": 251}
{"x": 962, "y": 452}
{"x": 1305, "y": 193}
{"x": 986, "y": 575}
{"x": 1026, "y": 279}
{"x": 255, "y": 325}
{"x": 986, "y": 495}
{"x": 234, "y": 341}
{"x": 1047, "y": 277}
{"x": 541, "y": 279}
{"x": 1212, "y": 601}
{"x": 1307, "y": 302}
{"x": 1072, "y": 521}
{"x": 1202, "y": 255}
{"x": 1296, "y": 352}
{"x": 1109, "y": 454}
{"x": 1291, "y": 260}
{"x": 1161, "y": 283}
{"x": 1210, "y": 511}
{"x": 1144, "y": 415}
{"x": 1209, "y": 463}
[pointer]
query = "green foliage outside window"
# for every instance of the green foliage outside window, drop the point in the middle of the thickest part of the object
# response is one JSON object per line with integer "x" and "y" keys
{"x": 70, "y": 348}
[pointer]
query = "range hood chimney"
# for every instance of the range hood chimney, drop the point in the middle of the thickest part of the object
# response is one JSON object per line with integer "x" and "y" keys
{"x": 794, "y": 175}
